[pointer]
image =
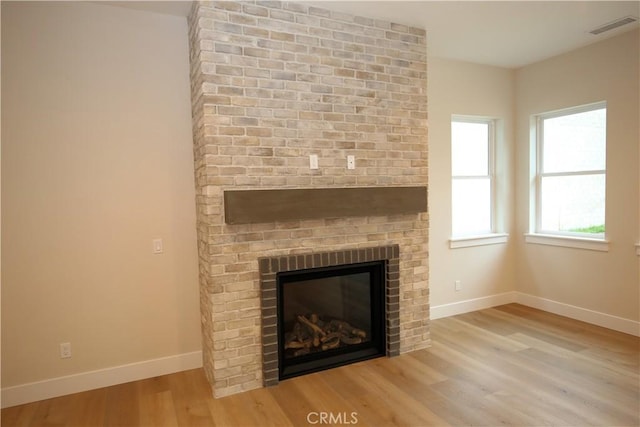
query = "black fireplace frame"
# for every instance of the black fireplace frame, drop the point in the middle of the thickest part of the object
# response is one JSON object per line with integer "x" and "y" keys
{"x": 372, "y": 348}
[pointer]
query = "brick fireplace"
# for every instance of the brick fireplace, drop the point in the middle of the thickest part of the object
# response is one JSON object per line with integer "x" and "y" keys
{"x": 272, "y": 266}
{"x": 272, "y": 84}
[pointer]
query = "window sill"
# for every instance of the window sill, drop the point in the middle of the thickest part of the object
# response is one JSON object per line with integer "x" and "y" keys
{"x": 481, "y": 240}
{"x": 568, "y": 242}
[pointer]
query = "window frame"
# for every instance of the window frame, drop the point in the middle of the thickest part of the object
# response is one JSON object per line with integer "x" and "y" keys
{"x": 538, "y": 235}
{"x": 482, "y": 237}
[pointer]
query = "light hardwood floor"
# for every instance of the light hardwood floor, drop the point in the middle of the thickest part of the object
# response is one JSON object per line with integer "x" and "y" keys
{"x": 509, "y": 365}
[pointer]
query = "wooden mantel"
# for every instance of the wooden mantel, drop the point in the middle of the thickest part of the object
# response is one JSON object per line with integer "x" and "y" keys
{"x": 254, "y": 206}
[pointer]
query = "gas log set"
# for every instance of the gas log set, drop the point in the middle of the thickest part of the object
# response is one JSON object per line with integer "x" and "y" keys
{"x": 312, "y": 334}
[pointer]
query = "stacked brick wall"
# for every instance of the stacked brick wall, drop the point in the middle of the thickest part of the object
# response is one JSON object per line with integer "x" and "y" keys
{"x": 272, "y": 83}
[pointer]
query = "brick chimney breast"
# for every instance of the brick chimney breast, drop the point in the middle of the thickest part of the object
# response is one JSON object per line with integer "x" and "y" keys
{"x": 273, "y": 83}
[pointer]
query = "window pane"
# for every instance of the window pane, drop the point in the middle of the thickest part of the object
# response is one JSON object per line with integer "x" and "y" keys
{"x": 469, "y": 149}
{"x": 471, "y": 206}
{"x": 573, "y": 203}
{"x": 576, "y": 142}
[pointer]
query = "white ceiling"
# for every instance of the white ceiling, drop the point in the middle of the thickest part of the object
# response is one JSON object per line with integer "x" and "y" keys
{"x": 501, "y": 33}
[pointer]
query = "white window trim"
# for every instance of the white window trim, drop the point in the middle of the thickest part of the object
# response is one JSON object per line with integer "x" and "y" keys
{"x": 601, "y": 245}
{"x": 562, "y": 239}
{"x": 479, "y": 240}
{"x": 461, "y": 241}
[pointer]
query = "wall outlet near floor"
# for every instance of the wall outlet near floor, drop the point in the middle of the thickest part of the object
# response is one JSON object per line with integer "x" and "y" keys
{"x": 65, "y": 350}
{"x": 458, "y": 285}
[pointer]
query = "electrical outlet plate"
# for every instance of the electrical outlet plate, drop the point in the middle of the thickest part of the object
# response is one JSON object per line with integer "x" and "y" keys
{"x": 458, "y": 285}
{"x": 351, "y": 162}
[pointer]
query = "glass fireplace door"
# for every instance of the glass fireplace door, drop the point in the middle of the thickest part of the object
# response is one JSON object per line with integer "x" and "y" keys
{"x": 330, "y": 316}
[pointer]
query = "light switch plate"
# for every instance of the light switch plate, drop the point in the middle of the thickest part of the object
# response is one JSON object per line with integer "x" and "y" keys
{"x": 158, "y": 246}
{"x": 313, "y": 161}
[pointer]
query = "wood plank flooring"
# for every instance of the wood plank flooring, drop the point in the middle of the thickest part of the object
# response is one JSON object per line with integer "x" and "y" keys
{"x": 510, "y": 365}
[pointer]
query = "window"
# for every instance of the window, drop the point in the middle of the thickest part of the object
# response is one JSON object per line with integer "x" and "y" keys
{"x": 571, "y": 172}
{"x": 472, "y": 176}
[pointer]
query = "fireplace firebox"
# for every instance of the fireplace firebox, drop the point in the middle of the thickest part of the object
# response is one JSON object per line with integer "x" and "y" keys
{"x": 346, "y": 302}
{"x": 330, "y": 316}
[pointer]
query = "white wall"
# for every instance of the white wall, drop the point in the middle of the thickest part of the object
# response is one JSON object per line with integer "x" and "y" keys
{"x": 604, "y": 282}
{"x": 96, "y": 162}
{"x": 456, "y": 87}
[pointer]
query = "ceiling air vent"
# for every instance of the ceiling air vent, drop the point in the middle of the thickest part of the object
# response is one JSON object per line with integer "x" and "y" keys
{"x": 615, "y": 24}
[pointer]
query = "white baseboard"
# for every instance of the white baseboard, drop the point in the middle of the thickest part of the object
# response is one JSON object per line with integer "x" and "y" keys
{"x": 47, "y": 389}
{"x": 466, "y": 306}
{"x": 609, "y": 321}
{"x": 605, "y": 320}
